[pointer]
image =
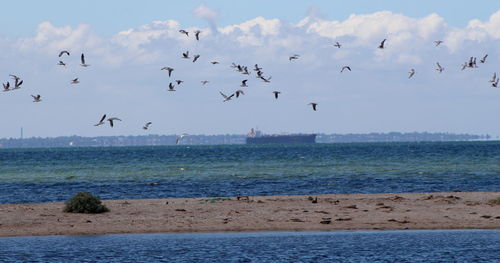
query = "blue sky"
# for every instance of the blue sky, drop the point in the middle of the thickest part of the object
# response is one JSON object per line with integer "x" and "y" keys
{"x": 127, "y": 43}
{"x": 107, "y": 17}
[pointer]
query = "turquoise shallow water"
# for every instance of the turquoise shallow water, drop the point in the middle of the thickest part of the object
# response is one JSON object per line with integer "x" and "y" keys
{"x": 40, "y": 175}
{"x": 391, "y": 246}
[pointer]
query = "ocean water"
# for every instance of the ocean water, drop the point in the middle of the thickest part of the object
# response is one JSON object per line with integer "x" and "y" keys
{"x": 56, "y": 174}
{"x": 391, "y": 246}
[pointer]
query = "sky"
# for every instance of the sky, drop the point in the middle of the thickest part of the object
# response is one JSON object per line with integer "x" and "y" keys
{"x": 128, "y": 42}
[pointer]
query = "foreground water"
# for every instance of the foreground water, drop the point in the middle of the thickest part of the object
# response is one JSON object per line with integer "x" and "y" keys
{"x": 390, "y": 246}
{"x": 41, "y": 175}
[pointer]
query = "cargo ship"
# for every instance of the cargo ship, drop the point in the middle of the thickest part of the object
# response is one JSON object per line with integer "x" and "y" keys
{"x": 256, "y": 137}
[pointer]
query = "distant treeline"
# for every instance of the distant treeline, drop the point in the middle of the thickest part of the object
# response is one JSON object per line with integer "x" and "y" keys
{"x": 153, "y": 140}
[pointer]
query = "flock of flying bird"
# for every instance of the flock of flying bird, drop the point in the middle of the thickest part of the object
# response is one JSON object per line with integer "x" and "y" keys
{"x": 471, "y": 63}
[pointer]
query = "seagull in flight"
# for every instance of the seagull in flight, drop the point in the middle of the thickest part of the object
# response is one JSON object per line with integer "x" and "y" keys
{"x": 195, "y": 57}
{"x": 63, "y": 52}
{"x": 381, "y": 46}
{"x": 179, "y": 138}
{"x": 82, "y": 59}
{"x": 101, "y": 122}
{"x": 290, "y": 58}
{"x": 17, "y": 83}
{"x": 337, "y": 44}
{"x": 6, "y": 86}
{"x": 345, "y": 67}
{"x": 439, "y": 68}
{"x": 113, "y": 119}
{"x": 14, "y": 77}
{"x": 492, "y": 79}
{"x": 75, "y": 81}
{"x": 61, "y": 63}
{"x": 214, "y": 62}
{"x": 276, "y": 93}
{"x": 169, "y": 69}
{"x": 203, "y": 82}
{"x": 37, "y": 98}
{"x": 184, "y": 32}
{"x": 146, "y": 126}
{"x": 411, "y": 73}
{"x": 238, "y": 92}
{"x": 197, "y": 34}
{"x": 178, "y": 81}
{"x": 438, "y": 42}
{"x": 266, "y": 80}
{"x": 256, "y": 68}
{"x": 244, "y": 83}
{"x": 185, "y": 55}
{"x": 171, "y": 87}
{"x": 226, "y": 98}
{"x": 483, "y": 60}
{"x": 313, "y": 104}
{"x": 495, "y": 83}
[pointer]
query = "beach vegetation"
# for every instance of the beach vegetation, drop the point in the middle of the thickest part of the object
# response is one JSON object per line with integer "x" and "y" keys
{"x": 496, "y": 201}
{"x": 84, "y": 202}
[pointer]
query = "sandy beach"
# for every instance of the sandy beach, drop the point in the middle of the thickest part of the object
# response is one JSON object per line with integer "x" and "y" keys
{"x": 332, "y": 212}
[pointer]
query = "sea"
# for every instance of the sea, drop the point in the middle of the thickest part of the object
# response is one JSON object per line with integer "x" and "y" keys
{"x": 33, "y": 175}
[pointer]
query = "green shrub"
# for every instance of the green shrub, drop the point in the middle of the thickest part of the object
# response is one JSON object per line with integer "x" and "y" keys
{"x": 496, "y": 201}
{"x": 84, "y": 202}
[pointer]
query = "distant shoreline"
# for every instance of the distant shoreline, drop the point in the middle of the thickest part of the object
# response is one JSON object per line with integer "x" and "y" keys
{"x": 228, "y": 139}
{"x": 331, "y": 212}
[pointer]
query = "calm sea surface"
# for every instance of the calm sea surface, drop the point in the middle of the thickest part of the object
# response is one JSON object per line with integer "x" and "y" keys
{"x": 41, "y": 175}
{"x": 391, "y": 246}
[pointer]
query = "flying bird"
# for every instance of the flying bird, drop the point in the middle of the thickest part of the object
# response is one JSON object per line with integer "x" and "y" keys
{"x": 178, "y": 81}
{"x": 345, "y": 67}
{"x": 14, "y": 77}
{"x": 75, "y": 81}
{"x": 266, "y": 80}
{"x": 226, "y": 98}
{"x": 195, "y": 57}
{"x": 197, "y": 34}
{"x": 37, "y": 98}
{"x": 113, "y": 119}
{"x": 276, "y": 93}
{"x": 17, "y": 83}
{"x": 82, "y": 59}
{"x": 101, "y": 122}
{"x": 146, "y": 126}
{"x": 337, "y": 44}
{"x": 63, "y": 52}
{"x": 439, "y": 68}
{"x": 171, "y": 87}
{"x": 483, "y": 60}
{"x": 169, "y": 69}
{"x": 203, "y": 82}
{"x": 492, "y": 79}
{"x": 381, "y": 46}
{"x": 495, "y": 84}
{"x": 214, "y": 62}
{"x": 256, "y": 68}
{"x": 185, "y": 55}
{"x": 313, "y": 104}
{"x": 438, "y": 42}
{"x": 244, "y": 83}
{"x": 184, "y": 32}
{"x": 179, "y": 138}
{"x": 6, "y": 86}
{"x": 411, "y": 73}
{"x": 238, "y": 92}
{"x": 61, "y": 63}
{"x": 293, "y": 57}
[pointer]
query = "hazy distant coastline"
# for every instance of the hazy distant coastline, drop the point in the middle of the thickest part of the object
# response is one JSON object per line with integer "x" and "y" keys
{"x": 158, "y": 140}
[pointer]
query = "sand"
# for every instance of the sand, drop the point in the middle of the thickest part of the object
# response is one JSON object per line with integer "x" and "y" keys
{"x": 331, "y": 212}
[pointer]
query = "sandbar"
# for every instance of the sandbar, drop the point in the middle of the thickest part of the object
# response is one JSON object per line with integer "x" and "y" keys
{"x": 327, "y": 212}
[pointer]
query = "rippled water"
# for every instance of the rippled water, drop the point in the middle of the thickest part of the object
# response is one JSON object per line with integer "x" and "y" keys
{"x": 390, "y": 246}
{"x": 40, "y": 175}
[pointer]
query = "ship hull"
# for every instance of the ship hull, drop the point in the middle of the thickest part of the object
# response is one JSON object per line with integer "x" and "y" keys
{"x": 282, "y": 139}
